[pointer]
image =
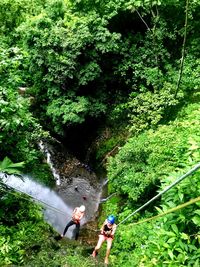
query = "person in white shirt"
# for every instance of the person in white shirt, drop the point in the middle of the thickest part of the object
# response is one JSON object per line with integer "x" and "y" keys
{"x": 77, "y": 215}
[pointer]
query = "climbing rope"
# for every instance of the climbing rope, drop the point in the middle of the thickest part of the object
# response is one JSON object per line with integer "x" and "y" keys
{"x": 146, "y": 204}
{"x": 33, "y": 198}
{"x": 181, "y": 206}
{"x": 162, "y": 192}
{"x": 158, "y": 195}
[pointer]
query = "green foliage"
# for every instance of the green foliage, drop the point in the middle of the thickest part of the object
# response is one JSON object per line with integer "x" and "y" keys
{"x": 20, "y": 131}
{"x": 165, "y": 153}
{"x": 56, "y": 9}
{"x": 41, "y": 172}
{"x": 13, "y": 68}
{"x": 155, "y": 154}
{"x": 12, "y": 13}
{"x": 72, "y": 66}
{"x": 148, "y": 109}
{"x": 9, "y": 167}
{"x": 18, "y": 127}
{"x": 128, "y": 244}
{"x": 174, "y": 239}
{"x": 66, "y": 256}
{"x": 22, "y": 226}
{"x": 82, "y": 59}
{"x": 69, "y": 111}
{"x": 108, "y": 146}
{"x": 120, "y": 59}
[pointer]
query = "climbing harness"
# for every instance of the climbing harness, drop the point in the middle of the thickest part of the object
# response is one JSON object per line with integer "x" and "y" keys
{"x": 162, "y": 192}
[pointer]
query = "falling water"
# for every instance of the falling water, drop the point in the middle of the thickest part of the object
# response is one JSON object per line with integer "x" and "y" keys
{"x": 79, "y": 178}
{"x": 56, "y": 211}
{"x": 76, "y": 185}
{"x": 49, "y": 161}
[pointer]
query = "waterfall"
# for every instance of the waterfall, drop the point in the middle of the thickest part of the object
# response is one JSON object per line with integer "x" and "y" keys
{"x": 76, "y": 185}
{"x": 58, "y": 208}
{"x": 56, "y": 212}
{"x": 49, "y": 161}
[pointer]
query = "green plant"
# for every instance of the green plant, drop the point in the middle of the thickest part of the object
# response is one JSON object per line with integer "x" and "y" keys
{"x": 148, "y": 158}
{"x": 7, "y": 166}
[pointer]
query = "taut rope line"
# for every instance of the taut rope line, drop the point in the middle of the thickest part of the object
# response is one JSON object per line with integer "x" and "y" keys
{"x": 181, "y": 206}
{"x": 34, "y": 198}
{"x": 162, "y": 192}
{"x": 146, "y": 204}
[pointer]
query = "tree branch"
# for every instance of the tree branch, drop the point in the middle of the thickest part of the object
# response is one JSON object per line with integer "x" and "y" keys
{"x": 183, "y": 49}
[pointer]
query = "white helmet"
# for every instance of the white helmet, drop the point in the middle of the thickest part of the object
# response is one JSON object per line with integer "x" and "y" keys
{"x": 82, "y": 208}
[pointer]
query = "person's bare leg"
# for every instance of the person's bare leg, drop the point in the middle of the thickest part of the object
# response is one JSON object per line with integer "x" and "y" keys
{"x": 109, "y": 244}
{"x": 98, "y": 246}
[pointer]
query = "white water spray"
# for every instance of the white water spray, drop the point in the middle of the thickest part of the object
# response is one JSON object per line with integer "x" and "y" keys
{"x": 49, "y": 161}
{"x": 79, "y": 189}
{"x": 56, "y": 212}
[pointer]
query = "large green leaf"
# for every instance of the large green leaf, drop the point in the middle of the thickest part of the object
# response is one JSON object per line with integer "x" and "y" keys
{"x": 9, "y": 167}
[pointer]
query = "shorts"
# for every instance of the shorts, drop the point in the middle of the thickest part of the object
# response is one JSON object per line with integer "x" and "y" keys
{"x": 104, "y": 237}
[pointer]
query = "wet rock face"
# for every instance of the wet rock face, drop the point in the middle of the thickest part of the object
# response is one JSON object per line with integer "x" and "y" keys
{"x": 89, "y": 233}
{"x": 78, "y": 183}
{"x": 68, "y": 166}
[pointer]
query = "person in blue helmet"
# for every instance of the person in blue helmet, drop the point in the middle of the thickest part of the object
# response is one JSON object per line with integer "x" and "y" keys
{"x": 107, "y": 232}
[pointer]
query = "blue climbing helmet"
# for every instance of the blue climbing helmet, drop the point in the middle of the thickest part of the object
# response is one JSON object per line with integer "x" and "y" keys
{"x": 111, "y": 219}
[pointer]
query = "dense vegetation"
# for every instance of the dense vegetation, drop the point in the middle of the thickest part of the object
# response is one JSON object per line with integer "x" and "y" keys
{"x": 131, "y": 68}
